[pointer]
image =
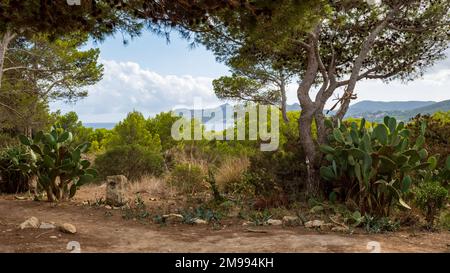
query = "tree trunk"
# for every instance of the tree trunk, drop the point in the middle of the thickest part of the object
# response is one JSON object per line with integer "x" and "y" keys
{"x": 4, "y": 43}
{"x": 283, "y": 102}
{"x": 313, "y": 188}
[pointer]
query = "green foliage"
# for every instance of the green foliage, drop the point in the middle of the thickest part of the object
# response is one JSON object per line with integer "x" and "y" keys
{"x": 161, "y": 125}
{"x": 437, "y": 135}
{"x": 188, "y": 178}
{"x": 374, "y": 167}
{"x": 6, "y": 140}
{"x": 132, "y": 131}
{"x": 378, "y": 225}
{"x": 60, "y": 168}
{"x": 282, "y": 170}
{"x": 431, "y": 198}
{"x": 134, "y": 161}
{"x": 12, "y": 178}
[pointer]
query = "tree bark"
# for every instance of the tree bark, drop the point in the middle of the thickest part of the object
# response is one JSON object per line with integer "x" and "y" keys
{"x": 305, "y": 124}
{"x": 4, "y": 43}
{"x": 283, "y": 101}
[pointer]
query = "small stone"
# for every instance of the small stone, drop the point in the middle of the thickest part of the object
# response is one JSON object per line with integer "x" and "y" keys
{"x": 340, "y": 229}
{"x": 8, "y": 230}
{"x": 173, "y": 218}
{"x": 108, "y": 207}
{"x": 20, "y": 197}
{"x": 314, "y": 224}
{"x": 152, "y": 199}
{"x": 32, "y": 222}
{"x": 68, "y": 228}
{"x": 290, "y": 219}
{"x": 247, "y": 223}
{"x": 274, "y": 222}
{"x": 47, "y": 226}
{"x": 53, "y": 237}
{"x": 116, "y": 208}
{"x": 200, "y": 222}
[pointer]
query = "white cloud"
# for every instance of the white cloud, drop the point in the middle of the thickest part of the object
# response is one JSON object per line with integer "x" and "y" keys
{"x": 126, "y": 87}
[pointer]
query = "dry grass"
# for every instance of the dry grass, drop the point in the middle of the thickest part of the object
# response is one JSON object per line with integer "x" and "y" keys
{"x": 153, "y": 186}
{"x": 231, "y": 172}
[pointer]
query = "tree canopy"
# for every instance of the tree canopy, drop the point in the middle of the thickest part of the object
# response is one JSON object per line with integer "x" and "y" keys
{"x": 326, "y": 46}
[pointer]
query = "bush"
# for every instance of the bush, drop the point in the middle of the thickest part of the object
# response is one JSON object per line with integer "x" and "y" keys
{"x": 12, "y": 178}
{"x": 133, "y": 161}
{"x": 431, "y": 198}
{"x": 437, "y": 135}
{"x": 188, "y": 178}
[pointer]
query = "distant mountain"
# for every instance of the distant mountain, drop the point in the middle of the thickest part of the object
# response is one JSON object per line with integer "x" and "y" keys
{"x": 100, "y": 125}
{"x": 403, "y": 115}
{"x": 368, "y": 106}
{"x": 370, "y": 110}
{"x": 431, "y": 109}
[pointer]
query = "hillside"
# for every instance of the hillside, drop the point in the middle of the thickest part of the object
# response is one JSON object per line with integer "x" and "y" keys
{"x": 376, "y": 106}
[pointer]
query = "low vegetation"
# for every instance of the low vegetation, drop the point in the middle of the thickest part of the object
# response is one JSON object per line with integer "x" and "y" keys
{"x": 373, "y": 173}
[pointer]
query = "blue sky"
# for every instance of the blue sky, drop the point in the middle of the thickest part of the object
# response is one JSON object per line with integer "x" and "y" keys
{"x": 151, "y": 76}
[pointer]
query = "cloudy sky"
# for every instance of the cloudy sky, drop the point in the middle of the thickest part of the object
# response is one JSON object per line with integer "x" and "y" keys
{"x": 151, "y": 76}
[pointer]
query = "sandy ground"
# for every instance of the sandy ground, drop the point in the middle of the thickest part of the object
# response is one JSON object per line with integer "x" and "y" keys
{"x": 101, "y": 230}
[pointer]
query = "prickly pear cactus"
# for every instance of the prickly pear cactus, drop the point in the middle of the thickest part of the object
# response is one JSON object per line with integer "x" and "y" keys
{"x": 59, "y": 167}
{"x": 373, "y": 166}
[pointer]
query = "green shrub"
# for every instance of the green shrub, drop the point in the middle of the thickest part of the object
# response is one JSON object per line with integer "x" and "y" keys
{"x": 6, "y": 140}
{"x": 133, "y": 161}
{"x": 188, "y": 178}
{"x": 12, "y": 178}
{"x": 431, "y": 198}
{"x": 374, "y": 167}
{"x": 437, "y": 135}
{"x": 59, "y": 167}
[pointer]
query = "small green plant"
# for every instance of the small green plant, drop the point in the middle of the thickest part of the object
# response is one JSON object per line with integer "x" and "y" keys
{"x": 218, "y": 198}
{"x": 138, "y": 210}
{"x": 431, "y": 198}
{"x": 379, "y": 225}
{"x": 259, "y": 218}
{"x": 59, "y": 167}
{"x": 373, "y": 167}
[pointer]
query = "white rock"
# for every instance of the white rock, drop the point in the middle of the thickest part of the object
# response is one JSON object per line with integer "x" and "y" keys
{"x": 290, "y": 219}
{"x": 247, "y": 223}
{"x": 314, "y": 224}
{"x": 53, "y": 237}
{"x": 274, "y": 222}
{"x": 108, "y": 207}
{"x": 32, "y": 222}
{"x": 68, "y": 228}
{"x": 47, "y": 226}
{"x": 339, "y": 229}
{"x": 200, "y": 222}
{"x": 174, "y": 218}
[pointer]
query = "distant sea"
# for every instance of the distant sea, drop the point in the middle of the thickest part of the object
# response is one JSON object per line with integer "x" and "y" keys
{"x": 100, "y": 125}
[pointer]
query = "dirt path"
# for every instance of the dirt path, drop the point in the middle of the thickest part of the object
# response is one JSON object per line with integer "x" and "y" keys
{"x": 98, "y": 232}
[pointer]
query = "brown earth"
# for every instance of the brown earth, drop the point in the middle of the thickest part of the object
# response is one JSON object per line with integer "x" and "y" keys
{"x": 102, "y": 230}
